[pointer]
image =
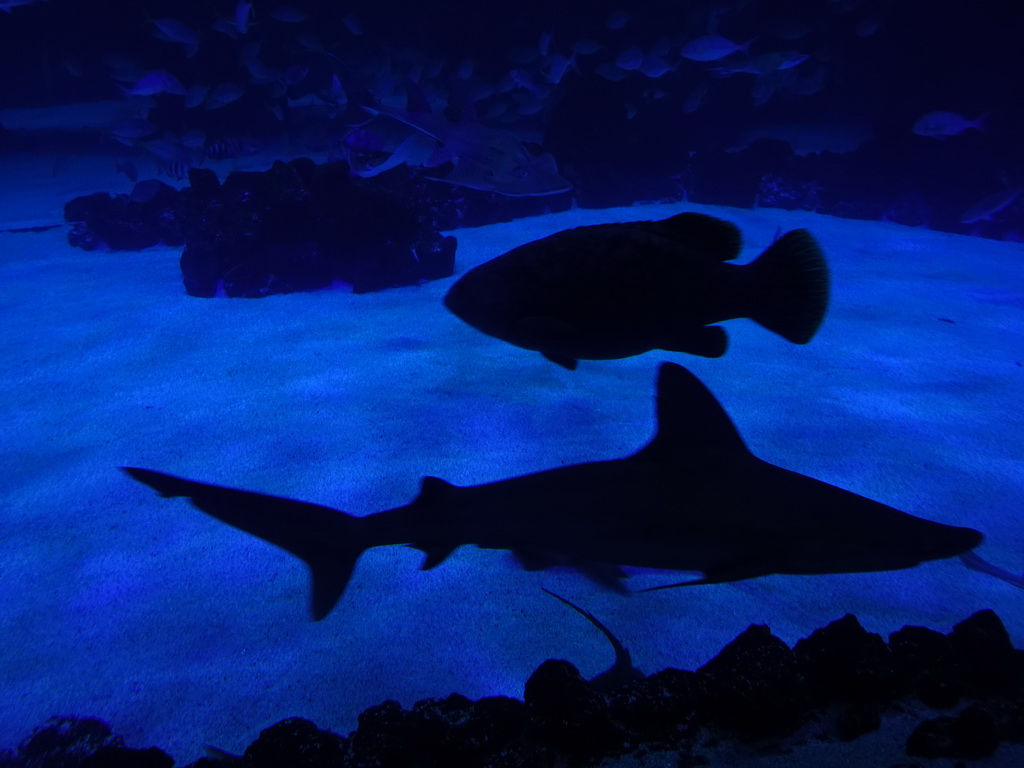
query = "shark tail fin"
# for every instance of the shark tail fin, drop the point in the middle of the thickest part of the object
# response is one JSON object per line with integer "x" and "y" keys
{"x": 326, "y": 539}
{"x": 790, "y": 287}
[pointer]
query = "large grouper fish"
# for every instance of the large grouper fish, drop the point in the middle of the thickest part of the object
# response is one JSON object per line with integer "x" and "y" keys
{"x": 611, "y": 291}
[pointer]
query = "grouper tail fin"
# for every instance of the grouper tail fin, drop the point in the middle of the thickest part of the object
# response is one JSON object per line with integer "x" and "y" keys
{"x": 326, "y": 539}
{"x": 790, "y": 287}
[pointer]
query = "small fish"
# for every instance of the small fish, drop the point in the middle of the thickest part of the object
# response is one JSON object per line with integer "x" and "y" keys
{"x": 195, "y": 95}
{"x": 130, "y": 130}
{"x": 630, "y": 59}
{"x": 352, "y": 24}
{"x": 174, "y": 31}
{"x": 154, "y": 83}
{"x": 654, "y": 66}
{"x": 616, "y": 20}
{"x": 222, "y": 95}
{"x": 7, "y": 5}
{"x": 586, "y": 47}
{"x": 289, "y": 14}
{"x": 612, "y": 291}
{"x": 695, "y": 98}
{"x": 941, "y": 125}
{"x": 127, "y": 168}
{"x": 985, "y": 209}
{"x": 609, "y": 71}
{"x": 712, "y": 48}
{"x": 554, "y": 67}
{"x": 295, "y": 74}
{"x": 764, "y": 64}
{"x": 193, "y": 139}
{"x": 243, "y": 16}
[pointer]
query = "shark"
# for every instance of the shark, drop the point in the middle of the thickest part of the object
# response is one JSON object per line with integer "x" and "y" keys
{"x": 693, "y": 499}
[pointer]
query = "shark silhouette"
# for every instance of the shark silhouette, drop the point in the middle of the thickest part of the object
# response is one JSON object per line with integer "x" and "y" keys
{"x": 693, "y": 499}
{"x": 616, "y": 290}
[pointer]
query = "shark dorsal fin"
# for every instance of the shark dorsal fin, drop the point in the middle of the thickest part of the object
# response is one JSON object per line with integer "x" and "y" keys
{"x": 715, "y": 237}
{"x": 432, "y": 490}
{"x": 692, "y": 427}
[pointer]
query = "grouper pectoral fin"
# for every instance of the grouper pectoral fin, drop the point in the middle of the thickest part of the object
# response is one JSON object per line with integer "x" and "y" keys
{"x": 551, "y": 333}
{"x": 327, "y": 539}
{"x": 693, "y": 429}
{"x": 707, "y": 341}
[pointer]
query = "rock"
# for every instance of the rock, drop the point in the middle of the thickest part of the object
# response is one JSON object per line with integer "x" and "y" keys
{"x": 754, "y": 687}
{"x": 844, "y": 662}
{"x": 296, "y": 743}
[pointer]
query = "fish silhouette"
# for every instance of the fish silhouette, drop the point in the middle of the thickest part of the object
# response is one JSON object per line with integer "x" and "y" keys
{"x": 616, "y": 290}
{"x": 693, "y": 499}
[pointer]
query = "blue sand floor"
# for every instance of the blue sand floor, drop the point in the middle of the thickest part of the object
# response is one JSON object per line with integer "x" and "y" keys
{"x": 182, "y": 632}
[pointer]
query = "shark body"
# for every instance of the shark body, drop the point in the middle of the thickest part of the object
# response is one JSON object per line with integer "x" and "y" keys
{"x": 693, "y": 499}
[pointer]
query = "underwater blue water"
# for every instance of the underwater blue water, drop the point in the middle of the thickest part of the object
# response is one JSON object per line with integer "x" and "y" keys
{"x": 182, "y": 632}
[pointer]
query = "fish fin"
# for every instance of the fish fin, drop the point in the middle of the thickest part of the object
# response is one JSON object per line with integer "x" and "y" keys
{"x": 435, "y": 555}
{"x": 532, "y": 560}
{"x": 708, "y": 341}
{"x": 606, "y": 575}
{"x": 739, "y": 572}
{"x": 433, "y": 490}
{"x": 569, "y": 363}
{"x": 693, "y": 428}
{"x": 790, "y": 287}
{"x": 719, "y": 238}
{"x": 325, "y": 538}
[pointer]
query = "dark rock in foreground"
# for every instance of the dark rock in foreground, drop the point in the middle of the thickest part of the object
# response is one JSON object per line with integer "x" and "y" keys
{"x": 834, "y": 687}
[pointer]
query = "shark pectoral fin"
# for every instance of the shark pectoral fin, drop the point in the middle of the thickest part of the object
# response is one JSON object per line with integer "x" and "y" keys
{"x": 435, "y": 555}
{"x": 723, "y": 575}
{"x": 605, "y": 575}
{"x": 569, "y": 363}
{"x": 530, "y": 560}
{"x": 706, "y": 341}
{"x": 692, "y": 583}
{"x": 977, "y": 563}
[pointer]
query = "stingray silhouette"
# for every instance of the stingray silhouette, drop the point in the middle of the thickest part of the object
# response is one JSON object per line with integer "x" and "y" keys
{"x": 693, "y": 499}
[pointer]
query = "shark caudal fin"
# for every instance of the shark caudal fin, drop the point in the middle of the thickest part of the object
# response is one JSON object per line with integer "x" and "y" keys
{"x": 790, "y": 287}
{"x": 326, "y": 539}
